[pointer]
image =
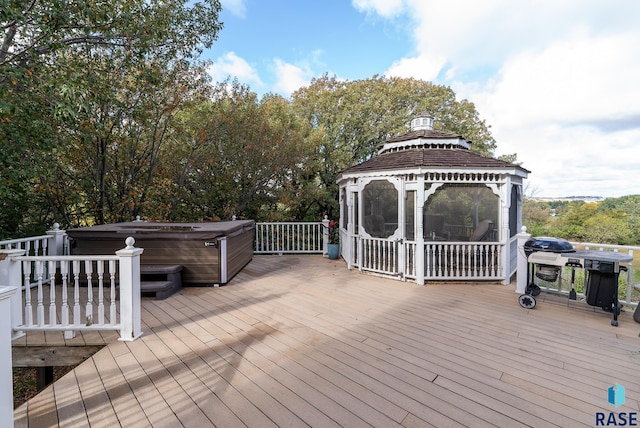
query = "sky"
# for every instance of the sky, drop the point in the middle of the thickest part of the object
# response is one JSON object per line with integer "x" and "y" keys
{"x": 558, "y": 81}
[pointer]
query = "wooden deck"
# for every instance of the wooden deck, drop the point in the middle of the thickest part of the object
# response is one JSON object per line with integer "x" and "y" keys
{"x": 297, "y": 341}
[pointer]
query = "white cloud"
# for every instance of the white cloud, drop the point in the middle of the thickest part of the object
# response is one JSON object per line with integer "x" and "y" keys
{"x": 570, "y": 113}
{"x": 557, "y": 81}
{"x": 232, "y": 65}
{"x": 571, "y": 81}
{"x": 384, "y": 8}
{"x": 236, "y": 7}
{"x": 290, "y": 77}
{"x": 420, "y": 67}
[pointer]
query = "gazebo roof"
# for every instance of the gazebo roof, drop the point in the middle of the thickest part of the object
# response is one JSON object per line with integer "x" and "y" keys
{"x": 424, "y": 147}
{"x": 428, "y": 157}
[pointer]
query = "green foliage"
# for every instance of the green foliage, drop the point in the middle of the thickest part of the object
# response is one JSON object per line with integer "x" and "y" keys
{"x": 613, "y": 221}
{"x": 351, "y": 120}
{"x": 86, "y": 87}
{"x": 234, "y": 155}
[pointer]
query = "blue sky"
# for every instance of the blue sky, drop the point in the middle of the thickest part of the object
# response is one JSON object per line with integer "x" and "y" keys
{"x": 558, "y": 81}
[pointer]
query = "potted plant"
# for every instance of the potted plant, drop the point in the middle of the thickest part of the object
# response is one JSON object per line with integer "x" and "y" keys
{"x": 333, "y": 245}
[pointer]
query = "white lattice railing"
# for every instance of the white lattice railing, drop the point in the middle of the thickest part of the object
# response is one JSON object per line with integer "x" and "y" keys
{"x": 73, "y": 293}
{"x": 291, "y": 238}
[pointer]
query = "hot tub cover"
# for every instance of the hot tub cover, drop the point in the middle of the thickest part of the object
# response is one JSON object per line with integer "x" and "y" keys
{"x": 160, "y": 230}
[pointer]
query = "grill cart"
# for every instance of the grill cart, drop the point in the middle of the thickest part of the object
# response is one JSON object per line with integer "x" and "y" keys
{"x": 546, "y": 256}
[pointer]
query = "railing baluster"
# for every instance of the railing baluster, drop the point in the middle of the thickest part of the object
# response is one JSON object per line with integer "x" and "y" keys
{"x": 88, "y": 267}
{"x": 40, "y": 306}
{"x": 53, "y": 315}
{"x": 64, "y": 272}
{"x": 112, "y": 306}
{"x": 76, "y": 292}
{"x": 28, "y": 309}
{"x": 100, "y": 266}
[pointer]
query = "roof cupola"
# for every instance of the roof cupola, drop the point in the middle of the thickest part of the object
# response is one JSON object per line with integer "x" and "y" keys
{"x": 422, "y": 121}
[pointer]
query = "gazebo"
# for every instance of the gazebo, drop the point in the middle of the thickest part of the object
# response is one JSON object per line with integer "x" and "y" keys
{"x": 428, "y": 208}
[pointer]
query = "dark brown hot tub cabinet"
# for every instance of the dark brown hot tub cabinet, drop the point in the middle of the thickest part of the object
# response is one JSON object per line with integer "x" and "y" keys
{"x": 211, "y": 253}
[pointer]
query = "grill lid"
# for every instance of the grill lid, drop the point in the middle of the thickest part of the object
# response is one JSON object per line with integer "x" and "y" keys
{"x": 547, "y": 244}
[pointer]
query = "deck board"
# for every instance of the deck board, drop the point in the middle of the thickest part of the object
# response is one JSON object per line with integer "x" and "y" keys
{"x": 301, "y": 341}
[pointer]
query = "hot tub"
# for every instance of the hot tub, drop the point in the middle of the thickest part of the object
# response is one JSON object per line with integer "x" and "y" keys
{"x": 211, "y": 253}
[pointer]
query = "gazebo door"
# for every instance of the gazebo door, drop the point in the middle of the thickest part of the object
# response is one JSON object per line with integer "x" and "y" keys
{"x": 380, "y": 229}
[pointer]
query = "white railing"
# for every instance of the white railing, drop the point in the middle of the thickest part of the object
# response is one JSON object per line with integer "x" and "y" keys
{"x": 463, "y": 260}
{"x": 74, "y": 293}
{"x": 381, "y": 256}
{"x": 410, "y": 251}
{"x": 292, "y": 237}
{"x": 442, "y": 260}
{"x": 54, "y": 243}
{"x": 37, "y": 245}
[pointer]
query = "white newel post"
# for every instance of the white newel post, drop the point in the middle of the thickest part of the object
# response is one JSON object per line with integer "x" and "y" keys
{"x": 522, "y": 264}
{"x": 11, "y": 275}
{"x": 325, "y": 235}
{"x": 129, "y": 291}
{"x": 6, "y": 369}
{"x": 56, "y": 242}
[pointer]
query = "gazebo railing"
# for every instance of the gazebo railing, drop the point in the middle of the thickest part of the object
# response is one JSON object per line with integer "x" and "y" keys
{"x": 463, "y": 260}
{"x": 381, "y": 256}
{"x": 442, "y": 260}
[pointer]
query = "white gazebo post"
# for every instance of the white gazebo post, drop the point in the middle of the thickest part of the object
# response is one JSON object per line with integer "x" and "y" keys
{"x": 503, "y": 231}
{"x": 521, "y": 276}
{"x": 130, "y": 291}
{"x": 6, "y": 366}
{"x": 420, "y": 231}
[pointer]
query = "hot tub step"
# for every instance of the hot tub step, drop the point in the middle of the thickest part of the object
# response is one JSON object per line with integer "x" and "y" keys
{"x": 163, "y": 280}
{"x": 161, "y": 289}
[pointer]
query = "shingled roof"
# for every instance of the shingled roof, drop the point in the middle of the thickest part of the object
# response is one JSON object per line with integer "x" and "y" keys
{"x": 424, "y": 147}
{"x": 430, "y": 157}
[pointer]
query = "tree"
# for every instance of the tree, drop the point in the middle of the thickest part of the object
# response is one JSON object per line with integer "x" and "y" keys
{"x": 53, "y": 53}
{"x": 613, "y": 221}
{"x": 233, "y": 155}
{"x": 352, "y": 119}
{"x": 536, "y": 217}
{"x": 110, "y": 160}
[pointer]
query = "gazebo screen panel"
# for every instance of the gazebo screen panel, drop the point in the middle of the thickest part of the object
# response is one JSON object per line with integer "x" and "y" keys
{"x": 410, "y": 215}
{"x": 380, "y": 208}
{"x": 455, "y": 211}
